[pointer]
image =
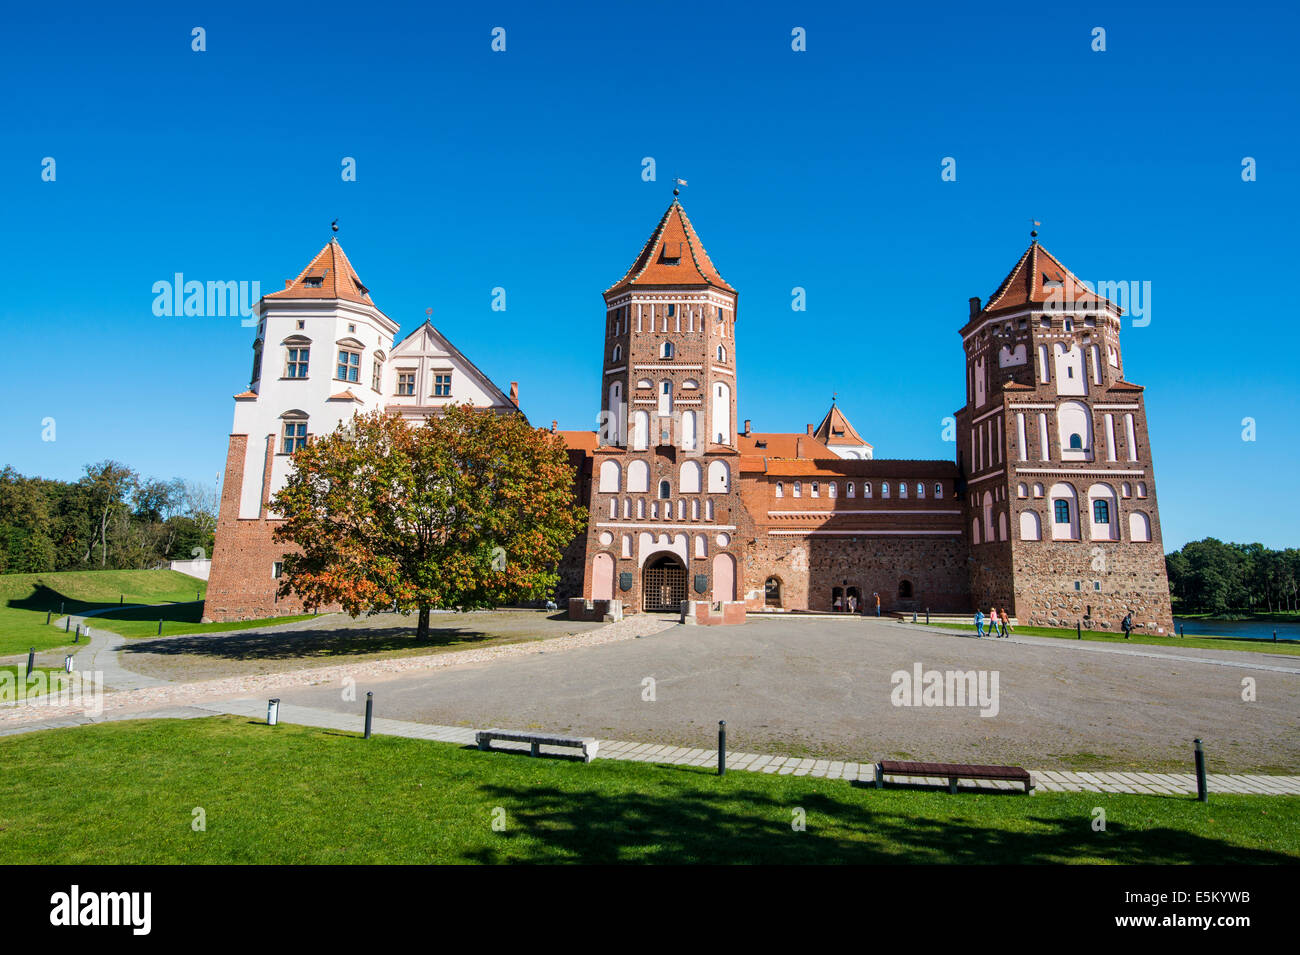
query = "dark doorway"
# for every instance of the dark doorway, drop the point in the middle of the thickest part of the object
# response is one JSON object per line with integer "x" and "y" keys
{"x": 837, "y": 599}
{"x": 772, "y": 592}
{"x": 663, "y": 585}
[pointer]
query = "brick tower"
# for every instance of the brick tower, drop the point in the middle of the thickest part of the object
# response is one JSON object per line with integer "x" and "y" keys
{"x": 664, "y": 499}
{"x": 1060, "y": 500}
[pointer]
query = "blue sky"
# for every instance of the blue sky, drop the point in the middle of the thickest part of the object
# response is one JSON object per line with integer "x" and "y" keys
{"x": 522, "y": 169}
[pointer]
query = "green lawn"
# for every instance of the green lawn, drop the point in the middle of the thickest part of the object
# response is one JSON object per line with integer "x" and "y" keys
{"x": 14, "y": 676}
{"x": 293, "y": 794}
{"x": 1102, "y": 636}
{"x": 26, "y": 598}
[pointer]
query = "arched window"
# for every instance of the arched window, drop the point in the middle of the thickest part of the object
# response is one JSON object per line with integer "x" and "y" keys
{"x": 780, "y": 489}
{"x": 611, "y": 476}
{"x": 1030, "y": 529}
{"x": 640, "y": 431}
{"x": 1022, "y": 490}
{"x": 938, "y": 490}
{"x": 638, "y": 477}
{"x": 1076, "y": 442}
{"x": 1126, "y": 489}
{"x": 849, "y": 487}
{"x": 815, "y": 489}
{"x": 666, "y": 350}
{"x": 1142, "y": 489}
{"x": 690, "y": 477}
{"x": 920, "y": 489}
{"x": 618, "y": 353}
{"x": 884, "y": 489}
{"x": 1105, "y": 516}
{"x": 1038, "y": 490}
{"x": 902, "y": 489}
{"x": 722, "y": 354}
{"x": 719, "y": 477}
{"x": 1139, "y": 527}
{"x": 665, "y": 490}
{"x": 798, "y": 489}
{"x": 830, "y": 489}
{"x": 866, "y": 489}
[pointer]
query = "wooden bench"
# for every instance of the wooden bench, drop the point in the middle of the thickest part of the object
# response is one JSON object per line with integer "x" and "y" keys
{"x": 953, "y": 772}
{"x": 587, "y": 744}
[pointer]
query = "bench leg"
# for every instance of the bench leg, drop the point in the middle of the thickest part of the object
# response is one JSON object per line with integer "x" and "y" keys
{"x": 484, "y": 744}
{"x": 952, "y": 785}
{"x": 536, "y": 749}
{"x": 880, "y": 777}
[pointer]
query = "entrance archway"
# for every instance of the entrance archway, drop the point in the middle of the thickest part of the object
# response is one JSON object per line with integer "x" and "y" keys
{"x": 772, "y": 592}
{"x": 663, "y": 584}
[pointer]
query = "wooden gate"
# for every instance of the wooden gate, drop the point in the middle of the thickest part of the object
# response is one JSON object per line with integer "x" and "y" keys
{"x": 664, "y": 586}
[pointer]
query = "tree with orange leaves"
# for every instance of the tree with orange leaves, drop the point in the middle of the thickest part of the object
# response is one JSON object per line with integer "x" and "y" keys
{"x": 468, "y": 511}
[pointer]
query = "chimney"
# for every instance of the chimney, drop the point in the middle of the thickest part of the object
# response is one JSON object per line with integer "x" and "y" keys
{"x": 554, "y": 424}
{"x": 810, "y": 429}
{"x": 514, "y": 393}
{"x": 974, "y": 306}
{"x": 798, "y": 445}
{"x": 747, "y": 427}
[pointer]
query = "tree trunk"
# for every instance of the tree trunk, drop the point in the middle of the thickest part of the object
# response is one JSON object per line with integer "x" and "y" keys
{"x": 422, "y": 629}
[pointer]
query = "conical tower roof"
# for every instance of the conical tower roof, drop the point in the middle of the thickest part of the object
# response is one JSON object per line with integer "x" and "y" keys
{"x": 673, "y": 256}
{"x": 329, "y": 275}
{"x": 1040, "y": 277}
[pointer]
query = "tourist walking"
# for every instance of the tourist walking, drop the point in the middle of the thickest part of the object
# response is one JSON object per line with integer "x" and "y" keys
{"x": 1127, "y": 625}
{"x": 839, "y": 603}
{"x": 1006, "y": 622}
{"x": 877, "y": 596}
{"x": 979, "y": 623}
{"x": 853, "y": 603}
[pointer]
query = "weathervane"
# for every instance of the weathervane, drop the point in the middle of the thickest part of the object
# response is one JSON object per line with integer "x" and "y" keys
{"x": 1033, "y": 233}
{"x": 679, "y": 182}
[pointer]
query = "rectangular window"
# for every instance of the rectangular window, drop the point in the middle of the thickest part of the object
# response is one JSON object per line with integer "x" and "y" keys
{"x": 376, "y": 380}
{"x": 349, "y": 366}
{"x": 295, "y": 436}
{"x": 1062, "y": 512}
{"x": 442, "y": 385}
{"x": 406, "y": 382}
{"x": 277, "y": 569}
{"x": 1101, "y": 512}
{"x": 296, "y": 366}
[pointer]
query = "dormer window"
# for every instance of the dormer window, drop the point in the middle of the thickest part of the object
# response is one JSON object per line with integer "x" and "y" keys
{"x": 314, "y": 282}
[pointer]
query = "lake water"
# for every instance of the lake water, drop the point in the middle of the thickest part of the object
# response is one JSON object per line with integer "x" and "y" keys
{"x": 1242, "y": 629}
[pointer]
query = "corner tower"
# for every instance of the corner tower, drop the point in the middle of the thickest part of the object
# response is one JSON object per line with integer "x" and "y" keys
{"x": 1060, "y": 500}
{"x": 664, "y": 500}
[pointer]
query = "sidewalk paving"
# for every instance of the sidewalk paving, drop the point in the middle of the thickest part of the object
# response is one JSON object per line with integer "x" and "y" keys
{"x": 1155, "y": 784}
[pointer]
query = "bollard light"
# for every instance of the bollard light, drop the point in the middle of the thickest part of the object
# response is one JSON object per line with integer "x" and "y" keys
{"x": 1202, "y": 789}
{"x": 370, "y": 711}
{"x": 67, "y": 624}
{"x": 1078, "y": 630}
{"x": 272, "y": 712}
{"x": 722, "y": 747}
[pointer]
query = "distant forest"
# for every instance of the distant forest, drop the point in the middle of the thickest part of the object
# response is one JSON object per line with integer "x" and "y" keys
{"x": 110, "y": 518}
{"x": 1209, "y": 576}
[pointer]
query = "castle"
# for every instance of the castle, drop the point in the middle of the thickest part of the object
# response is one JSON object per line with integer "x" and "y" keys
{"x": 1049, "y": 509}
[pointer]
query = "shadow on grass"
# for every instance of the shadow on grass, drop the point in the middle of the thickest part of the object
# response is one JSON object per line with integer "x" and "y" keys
{"x": 745, "y": 825}
{"x": 309, "y": 642}
{"x": 45, "y": 599}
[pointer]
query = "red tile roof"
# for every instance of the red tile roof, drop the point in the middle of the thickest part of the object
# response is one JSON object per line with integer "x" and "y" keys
{"x": 337, "y": 278}
{"x": 781, "y": 445}
{"x": 1029, "y": 282}
{"x": 835, "y": 429}
{"x": 674, "y": 255}
{"x": 579, "y": 440}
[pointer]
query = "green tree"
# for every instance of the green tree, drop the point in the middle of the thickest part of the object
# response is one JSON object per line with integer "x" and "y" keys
{"x": 470, "y": 510}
